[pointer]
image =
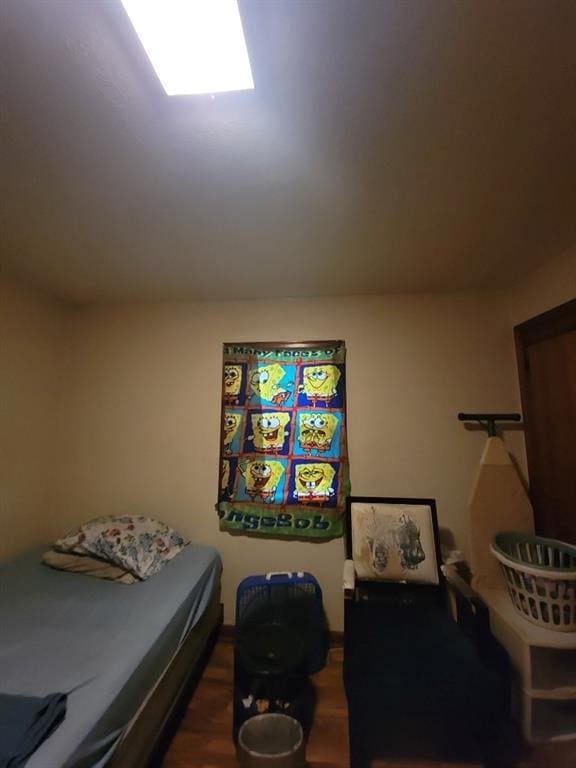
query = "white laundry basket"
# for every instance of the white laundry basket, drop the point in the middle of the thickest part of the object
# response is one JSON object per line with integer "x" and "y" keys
{"x": 541, "y": 578}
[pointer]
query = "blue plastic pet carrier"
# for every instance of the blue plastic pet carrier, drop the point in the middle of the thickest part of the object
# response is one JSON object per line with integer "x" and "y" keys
{"x": 281, "y": 639}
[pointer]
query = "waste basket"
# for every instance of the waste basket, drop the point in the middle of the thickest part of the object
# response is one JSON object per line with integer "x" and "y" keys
{"x": 271, "y": 741}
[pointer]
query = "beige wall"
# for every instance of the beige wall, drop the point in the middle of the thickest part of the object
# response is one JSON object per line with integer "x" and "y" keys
{"x": 131, "y": 394}
{"x": 32, "y": 369}
{"x": 547, "y": 287}
{"x": 144, "y": 410}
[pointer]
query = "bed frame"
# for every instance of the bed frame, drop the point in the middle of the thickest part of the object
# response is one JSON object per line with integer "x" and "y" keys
{"x": 151, "y": 731}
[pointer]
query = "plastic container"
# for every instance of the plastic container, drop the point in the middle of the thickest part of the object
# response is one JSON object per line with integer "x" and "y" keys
{"x": 271, "y": 741}
{"x": 541, "y": 578}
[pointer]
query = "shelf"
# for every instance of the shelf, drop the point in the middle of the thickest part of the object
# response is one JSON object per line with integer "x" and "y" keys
{"x": 553, "y": 694}
{"x": 546, "y": 720}
{"x": 544, "y": 685}
{"x": 498, "y": 601}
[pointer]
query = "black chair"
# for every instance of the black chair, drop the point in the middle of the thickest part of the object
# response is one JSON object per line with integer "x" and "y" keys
{"x": 419, "y": 684}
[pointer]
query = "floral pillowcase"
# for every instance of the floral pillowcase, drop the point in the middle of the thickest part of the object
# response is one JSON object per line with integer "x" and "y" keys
{"x": 140, "y": 545}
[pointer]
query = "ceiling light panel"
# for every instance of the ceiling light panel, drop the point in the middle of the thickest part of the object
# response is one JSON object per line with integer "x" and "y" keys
{"x": 195, "y": 46}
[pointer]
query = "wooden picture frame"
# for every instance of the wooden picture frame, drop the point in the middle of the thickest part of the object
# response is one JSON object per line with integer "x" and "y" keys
{"x": 393, "y": 539}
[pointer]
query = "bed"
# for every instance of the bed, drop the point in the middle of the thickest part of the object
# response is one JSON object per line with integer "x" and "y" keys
{"x": 125, "y": 655}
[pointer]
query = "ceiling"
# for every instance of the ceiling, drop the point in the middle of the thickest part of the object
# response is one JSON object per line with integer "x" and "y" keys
{"x": 389, "y": 145}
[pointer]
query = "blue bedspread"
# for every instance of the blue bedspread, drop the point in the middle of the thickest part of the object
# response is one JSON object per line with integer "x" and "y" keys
{"x": 25, "y": 722}
{"x": 102, "y": 643}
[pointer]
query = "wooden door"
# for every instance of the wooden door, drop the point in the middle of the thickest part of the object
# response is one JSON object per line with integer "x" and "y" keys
{"x": 546, "y": 351}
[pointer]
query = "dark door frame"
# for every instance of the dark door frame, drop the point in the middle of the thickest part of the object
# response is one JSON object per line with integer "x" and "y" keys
{"x": 554, "y": 322}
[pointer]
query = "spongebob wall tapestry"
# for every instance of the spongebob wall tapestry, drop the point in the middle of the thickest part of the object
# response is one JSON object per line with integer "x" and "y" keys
{"x": 283, "y": 455}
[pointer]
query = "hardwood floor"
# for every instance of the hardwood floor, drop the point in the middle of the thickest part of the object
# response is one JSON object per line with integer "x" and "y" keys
{"x": 204, "y": 738}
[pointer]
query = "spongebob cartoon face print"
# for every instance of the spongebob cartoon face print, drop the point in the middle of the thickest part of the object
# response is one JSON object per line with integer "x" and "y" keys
{"x": 261, "y": 478}
{"x": 265, "y": 384}
{"x": 316, "y": 431}
{"x": 283, "y": 452}
{"x": 314, "y": 483}
{"x": 232, "y": 383}
{"x": 224, "y": 474}
{"x": 269, "y": 431}
{"x": 320, "y": 382}
{"x": 230, "y": 427}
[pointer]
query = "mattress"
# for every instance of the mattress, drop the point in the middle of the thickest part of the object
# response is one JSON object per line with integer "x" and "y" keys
{"x": 102, "y": 643}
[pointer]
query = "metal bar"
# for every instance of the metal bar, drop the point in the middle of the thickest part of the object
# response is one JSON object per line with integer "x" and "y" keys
{"x": 488, "y": 420}
{"x": 491, "y": 416}
{"x": 285, "y": 344}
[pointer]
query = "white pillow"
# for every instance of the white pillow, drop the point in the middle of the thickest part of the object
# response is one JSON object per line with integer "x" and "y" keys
{"x": 140, "y": 545}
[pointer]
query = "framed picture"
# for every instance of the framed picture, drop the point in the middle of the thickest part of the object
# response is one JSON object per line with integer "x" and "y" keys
{"x": 392, "y": 539}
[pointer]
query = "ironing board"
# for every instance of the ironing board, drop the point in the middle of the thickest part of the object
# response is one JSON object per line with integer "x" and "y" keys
{"x": 544, "y": 661}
